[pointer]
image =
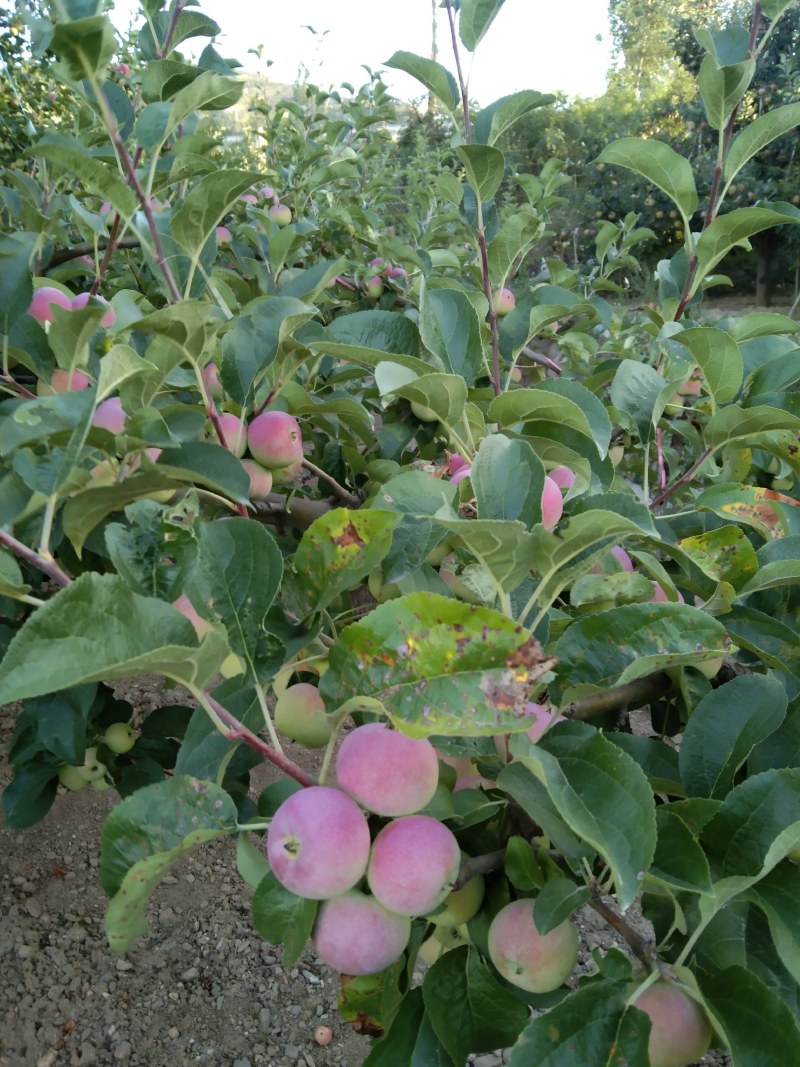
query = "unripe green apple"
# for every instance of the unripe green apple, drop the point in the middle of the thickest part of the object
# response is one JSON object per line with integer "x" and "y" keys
{"x": 374, "y": 287}
{"x": 452, "y": 936}
{"x": 461, "y": 905}
{"x": 503, "y": 301}
{"x": 281, "y": 214}
{"x": 100, "y": 784}
{"x": 300, "y": 715}
{"x": 710, "y": 667}
{"x": 120, "y": 737}
{"x": 71, "y": 777}
{"x": 92, "y": 768}
{"x": 424, "y": 413}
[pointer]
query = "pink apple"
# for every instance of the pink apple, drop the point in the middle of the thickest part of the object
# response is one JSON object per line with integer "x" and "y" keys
{"x": 622, "y": 557}
{"x": 543, "y": 719}
{"x": 414, "y": 864}
{"x": 274, "y": 439}
{"x": 249, "y": 198}
{"x": 356, "y": 935}
{"x": 281, "y": 214}
{"x": 552, "y": 504}
{"x": 536, "y": 962}
{"x": 680, "y": 1032}
{"x": 44, "y": 300}
{"x": 82, "y": 299}
{"x": 224, "y": 235}
{"x": 374, "y": 287}
{"x": 109, "y": 415}
{"x": 211, "y": 381}
{"x": 260, "y": 479}
{"x": 563, "y": 477}
{"x": 386, "y": 771}
{"x": 318, "y": 843}
{"x": 184, "y": 605}
{"x": 660, "y": 597}
{"x": 63, "y": 381}
{"x": 235, "y": 433}
{"x": 503, "y": 301}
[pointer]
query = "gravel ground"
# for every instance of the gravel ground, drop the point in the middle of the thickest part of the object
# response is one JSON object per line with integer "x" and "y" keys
{"x": 201, "y": 988}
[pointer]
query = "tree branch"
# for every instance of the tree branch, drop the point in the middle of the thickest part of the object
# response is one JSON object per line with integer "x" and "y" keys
{"x": 339, "y": 490}
{"x": 237, "y": 731}
{"x": 297, "y": 512}
{"x": 641, "y": 691}
{"x": 85, "y": 248}
{"x": 46, "y": 566}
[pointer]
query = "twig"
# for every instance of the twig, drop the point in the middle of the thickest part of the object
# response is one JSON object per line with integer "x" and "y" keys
{"x": 642, "y": 691}
{"x": 662, "y": 470}
{"x": 237, "y": 731}
{"x": 339, "y": 490}
{"x": 475, "y": 865}
{"x": 542, "y": 360}
{"x": 46, "y": 566}
{"x": 86, "y": 248}
{"x": 299, "y": 513}
{"x": 683, "y": 478}
{"x": 640, "y": 946}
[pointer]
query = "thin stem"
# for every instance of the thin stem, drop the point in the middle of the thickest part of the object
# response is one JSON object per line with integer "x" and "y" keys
{"x": 662, "y": 470}
{"x": 683, "y": 478}
{"x": 711, "y": 210}
{"x": 15, "y": 387}
{"x": 338, "y": 490}
{"x": 461, "y": 82}
{"x": 164, "y": 49}
{"x": 109, "y": 251}
{"x": 47, "y": 526}
{"x": 46, "y": 566}
{"x": 329, "y": 751}
{"x": 234, "y": 730}
{"x": 262, "y": 702}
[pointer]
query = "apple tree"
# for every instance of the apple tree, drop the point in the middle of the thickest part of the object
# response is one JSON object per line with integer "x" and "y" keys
{"x": 538, "y": 612}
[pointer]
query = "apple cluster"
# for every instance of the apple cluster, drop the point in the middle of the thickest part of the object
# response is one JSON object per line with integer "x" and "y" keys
{"x": 372, "y": 876}
{"x": 273, "y": 439}
{"x": 119, "y": 738}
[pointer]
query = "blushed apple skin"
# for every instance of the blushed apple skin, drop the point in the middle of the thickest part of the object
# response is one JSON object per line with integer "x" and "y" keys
{"x": 260, "y": 479}
{"x": 536, "y": 962}
{"x": 356, "y": 935}
{"x": 300, "y": 715}
{"x": 41, "y": 307}
{"x": 109, "y": 415}
{"x": 110, "y": 317}
{"x": 318, "y": 843}
{"x": 274, "y": 439}
{"x": 680, "y": 1030}
{"x": 235, "y": 433}
{"x": 387, "y": 772}
{"x": 552, "y": 504}
{"x": 281, "y": 214}
{"x": 413, "y": 865}
{"x": 503, "y": 301}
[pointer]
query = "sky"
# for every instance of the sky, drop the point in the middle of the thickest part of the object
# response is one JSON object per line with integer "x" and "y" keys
{"x": 532, "y": 44}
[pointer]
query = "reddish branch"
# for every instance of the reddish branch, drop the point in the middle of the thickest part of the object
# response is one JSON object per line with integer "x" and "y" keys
{"x": 46, "y": 566}
{"x": 237, "y": 731}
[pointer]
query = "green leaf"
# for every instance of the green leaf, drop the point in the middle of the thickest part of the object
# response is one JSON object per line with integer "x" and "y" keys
{"x": 16, "y": 287}
{"x": 556, "y": 901}
{"x": 503, "y": 547}
{"x": 679, "y": 861}
{"x": 776, "y": 895}
{"x": 757, "y": 1026}
{"x": 733, "y": 229}
{"x": 69, "y": 155}
{"x": 208, "y": 92}
{"x": 495, "y": 120}
{"x": 724, "y": 728}
{"x": 636, "y": 390}
{"x": 601, "y": 793}
{"x": 258, "y": 335}
{"x": 142, "y": 838}
{"x": 658, "y": 760}
{"x": 513, "y": 240}
{"x": 283, "y": 918}
{"x": 508, "y": 479}
{"x": 735, "y": 423}
{"x": 721, "y": 88}
{"x": 444, "y": 394}
{"x": 208, "y": 464}
{"x": 11, "y": 580}
{"x": 718, "y": 357}
{"x": 475, "y": 19}
{"x": 436, "y": 78}
{"x": 337, "y": 552}
{"x": 61, "y": 721}
{"x": 485, "y": 168}
{"x": 629, "y": 642}
{"x": 724, "y": 554}
{"x": 764, "y": 129}
{"x": 206, "y": 204}
{"x": 469, "y": 1010}
{"x": 233, "y": 580}
{"x": 757, "y": 825}
{"x": 85, "y": 510}
{"x": 414, "y": 495}
{"x": 751, "y": 505}
{"x": 533, "y": 405}
{"x": 410, "y": 1040}
{"x": 251, "y": 862}
{"x": 773, "y": 641}
{"x": 118, "y": 365}
{"x": 582, "y": 1029}
{"x": 438, "y": 666}
{"x": 520, "y": 865}
{"x": 658, "y": 163}
{"x": 450, "y": 329}
{"x": 85, "y": 46}
{"x": 97, "y": 629}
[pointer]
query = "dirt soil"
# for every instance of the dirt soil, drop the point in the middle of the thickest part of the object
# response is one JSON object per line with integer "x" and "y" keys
{"x": 201, "y": 988}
